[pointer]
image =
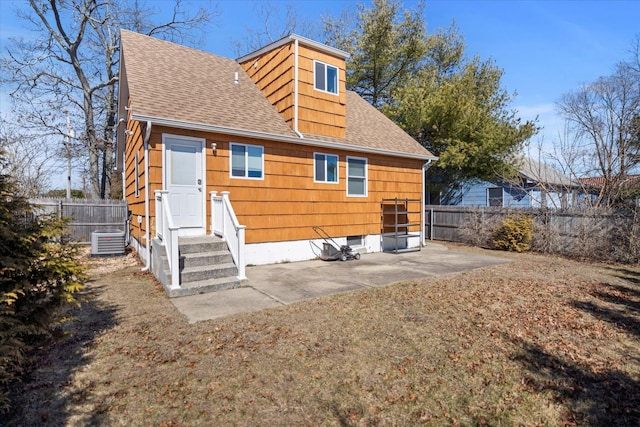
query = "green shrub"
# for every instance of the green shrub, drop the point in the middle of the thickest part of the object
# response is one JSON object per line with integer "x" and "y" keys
{"x": 39, "y": 273}
{"x": 514, "y": 234}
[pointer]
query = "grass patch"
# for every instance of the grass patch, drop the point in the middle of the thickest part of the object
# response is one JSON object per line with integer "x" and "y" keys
{"x": 539, "y": 341}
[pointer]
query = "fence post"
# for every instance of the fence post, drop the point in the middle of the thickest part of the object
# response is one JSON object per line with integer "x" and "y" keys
{"x": 60, "y": 209}
{"x": 432, "y": 216}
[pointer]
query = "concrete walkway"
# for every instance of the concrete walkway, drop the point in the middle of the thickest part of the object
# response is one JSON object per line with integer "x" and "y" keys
{"x": 282, "y": 284}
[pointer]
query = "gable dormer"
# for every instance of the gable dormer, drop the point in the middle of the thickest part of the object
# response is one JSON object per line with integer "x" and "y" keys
{"x": 305, "y": 81}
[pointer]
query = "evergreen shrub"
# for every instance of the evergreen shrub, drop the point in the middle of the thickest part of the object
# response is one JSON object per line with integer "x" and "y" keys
{"x": 514, "y": 234}
{"x": 39, "y": 274}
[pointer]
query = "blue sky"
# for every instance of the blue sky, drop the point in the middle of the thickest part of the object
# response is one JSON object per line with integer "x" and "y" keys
{"x": 546, "y": 48}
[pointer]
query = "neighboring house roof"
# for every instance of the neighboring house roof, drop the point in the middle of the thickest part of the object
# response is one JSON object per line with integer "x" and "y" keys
{"x": 538, "y": 172}
{"x": 178, "y": 86}
{"x": 596, "y": 181}
{"x": 629, "y": 182}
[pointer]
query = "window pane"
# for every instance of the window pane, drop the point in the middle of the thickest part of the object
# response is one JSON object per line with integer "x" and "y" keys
{"x": 320, "y": 79}
{"x": 332, "y": 79}
{"x": 183, "y": 171}
{"x": 495, "y": 197}
{"x": 332, "y": 168}
{"x": 356, "y": 187}
{"x": 356, "y": 168}
{"x": 354, "y": 240}
{"x": 320, "y": 167}
{"x": 237, "y": 160}
{"x": 255, "y": 162}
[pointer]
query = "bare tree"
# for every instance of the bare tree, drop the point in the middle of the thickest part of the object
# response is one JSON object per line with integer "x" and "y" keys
{"x": 72, "y": 64}
{"x": 603, "y": 122}
{"x": 278, "y": 20}
{"x": 30, "y": 169}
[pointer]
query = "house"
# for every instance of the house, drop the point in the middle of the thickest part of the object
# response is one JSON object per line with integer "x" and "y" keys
{"x": 625, "y": 190}
{"x": 537, "y": 185}
{"x": 257, "y": 152}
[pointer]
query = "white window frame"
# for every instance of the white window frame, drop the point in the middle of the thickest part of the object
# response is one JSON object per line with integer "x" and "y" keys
{"x": 326, "y": 155}
{"x": 246, "y": 161}
{"x": 325, "y": 65}
{"x": 366, "y": 176}
{"x": 489, "y": 198}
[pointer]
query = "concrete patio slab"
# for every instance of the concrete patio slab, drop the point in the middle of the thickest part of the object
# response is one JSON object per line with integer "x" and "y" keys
{"x": 288, "y": 283}
{"x": 223, "y": 303}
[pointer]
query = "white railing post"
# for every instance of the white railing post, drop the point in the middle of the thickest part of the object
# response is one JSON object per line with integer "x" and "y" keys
{"x": 212, "y": 197}
{"x": 175, "y": 259}
{"x": 159, "y": 214}
{"x": 226, "y": 207}
{"x": 224, "y": 224}
{"x": 168, "y": 235}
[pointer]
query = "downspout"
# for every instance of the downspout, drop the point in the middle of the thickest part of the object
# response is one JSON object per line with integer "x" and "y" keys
{"x": 147, "y": 134}
{"x": 124, "y": 184}
{"x": 425, "y": 168}
{"x": 295, "y": 89}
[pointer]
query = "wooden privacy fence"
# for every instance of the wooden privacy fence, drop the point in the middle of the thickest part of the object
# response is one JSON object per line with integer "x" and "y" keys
{"x": 606, "y": 234}
{"x": 86, "y": 216}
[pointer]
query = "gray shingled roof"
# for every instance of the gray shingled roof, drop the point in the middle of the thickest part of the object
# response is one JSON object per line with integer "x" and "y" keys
{"x": 539, "y": 172}
{"x": 178, "y": 84}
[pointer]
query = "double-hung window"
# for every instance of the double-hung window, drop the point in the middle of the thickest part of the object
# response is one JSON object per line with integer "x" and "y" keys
{"x": 325, "y": 168}
{"x": 495, "y": 196}
{"x": 356, "y": 176}
{"x": 247, "y": 161}
{"x": 326, "y": 77}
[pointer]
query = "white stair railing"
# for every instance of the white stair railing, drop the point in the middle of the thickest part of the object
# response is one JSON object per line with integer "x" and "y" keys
{"x": 167, "y": 232}
{"x": 224, "y": 224}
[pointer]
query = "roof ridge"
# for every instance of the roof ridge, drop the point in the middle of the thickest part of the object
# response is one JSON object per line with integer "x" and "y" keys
{"x": 177, "y": 45}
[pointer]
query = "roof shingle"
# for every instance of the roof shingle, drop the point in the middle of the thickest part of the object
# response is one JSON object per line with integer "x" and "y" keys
{"x": 177, "y": 83}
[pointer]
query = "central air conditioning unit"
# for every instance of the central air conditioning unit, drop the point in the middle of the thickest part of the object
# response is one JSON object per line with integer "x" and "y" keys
{"x": 107, "y": 242}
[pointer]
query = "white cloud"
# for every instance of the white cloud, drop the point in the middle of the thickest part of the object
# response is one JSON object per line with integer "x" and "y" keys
{"x": 530, "y": 112}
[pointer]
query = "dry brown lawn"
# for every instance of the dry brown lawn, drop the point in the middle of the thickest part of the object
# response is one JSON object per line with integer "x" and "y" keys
{"x": 540, "y": 341}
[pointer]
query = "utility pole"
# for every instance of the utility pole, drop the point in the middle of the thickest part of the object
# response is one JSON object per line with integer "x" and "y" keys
{"x": 67, "y": 145}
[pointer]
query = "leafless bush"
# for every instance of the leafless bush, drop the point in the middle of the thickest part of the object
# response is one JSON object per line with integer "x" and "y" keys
{"x": 480, "y": 224}
{"x": 599, "y": 234}
{"x": 624, "y": 236}
{"x": 546, "y": 234}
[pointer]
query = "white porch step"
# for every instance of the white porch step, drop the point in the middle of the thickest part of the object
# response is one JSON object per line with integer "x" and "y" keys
{"x": 191, "y": 245}
{"x": 205, "y": 258}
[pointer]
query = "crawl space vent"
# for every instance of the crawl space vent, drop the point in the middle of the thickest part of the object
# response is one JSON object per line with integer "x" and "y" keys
{"x": 107, "y": 242}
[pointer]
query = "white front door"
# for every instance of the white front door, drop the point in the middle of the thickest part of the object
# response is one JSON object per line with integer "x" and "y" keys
{"x": 185, "y": 183}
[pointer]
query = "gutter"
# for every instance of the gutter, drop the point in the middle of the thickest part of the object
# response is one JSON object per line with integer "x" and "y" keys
{"x": 147, "y": 134}
{"x": 278, "y": 138}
